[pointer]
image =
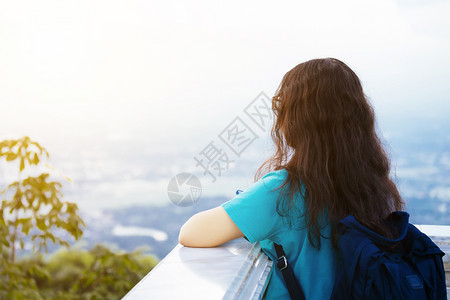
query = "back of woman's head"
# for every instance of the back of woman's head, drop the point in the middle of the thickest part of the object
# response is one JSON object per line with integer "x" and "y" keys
{"x": 326, "y": 140}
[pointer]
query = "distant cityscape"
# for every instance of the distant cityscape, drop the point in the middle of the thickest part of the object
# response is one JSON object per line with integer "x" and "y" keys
{"x": 123, "y": 199}
{"x": 421, "y": 164}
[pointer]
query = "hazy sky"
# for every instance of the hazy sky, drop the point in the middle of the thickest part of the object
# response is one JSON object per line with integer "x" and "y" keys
{"x": 170, "y": 75}
{"x": 169, "y": 68}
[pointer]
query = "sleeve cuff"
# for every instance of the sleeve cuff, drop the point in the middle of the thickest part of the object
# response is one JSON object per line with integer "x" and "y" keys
{"x": 229, "y": 209}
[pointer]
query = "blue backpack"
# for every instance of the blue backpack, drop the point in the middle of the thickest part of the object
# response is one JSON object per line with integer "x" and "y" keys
{"x": 371, "y": 266}
{"x": 412, "y": 269}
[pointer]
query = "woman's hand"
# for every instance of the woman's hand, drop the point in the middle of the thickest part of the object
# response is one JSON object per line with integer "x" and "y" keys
{"x": 209, "y": 228}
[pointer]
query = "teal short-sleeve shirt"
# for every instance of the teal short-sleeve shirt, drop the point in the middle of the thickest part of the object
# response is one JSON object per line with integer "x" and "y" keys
{"x": 254, "y": 211}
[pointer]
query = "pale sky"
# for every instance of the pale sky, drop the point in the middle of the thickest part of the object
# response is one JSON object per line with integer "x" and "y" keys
{"x": 77, "y": 71}
{"x": 155, "y": 64}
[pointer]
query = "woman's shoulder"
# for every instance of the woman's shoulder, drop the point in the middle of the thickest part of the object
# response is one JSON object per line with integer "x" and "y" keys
{"x": 265, "y": 190}
{"x": 274, "y": 179}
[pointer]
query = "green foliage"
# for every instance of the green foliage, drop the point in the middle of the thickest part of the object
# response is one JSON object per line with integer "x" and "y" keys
{"x": 36, "y": 204}
{"x": 24, "y": 150}
{"x": 34, "y": 208}
{"x": 32, "y": 212}
{"x": 95, "y": 274}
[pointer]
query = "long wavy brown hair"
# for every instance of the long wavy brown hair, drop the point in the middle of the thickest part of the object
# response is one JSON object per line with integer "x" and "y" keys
{"x": 325, "y": 138}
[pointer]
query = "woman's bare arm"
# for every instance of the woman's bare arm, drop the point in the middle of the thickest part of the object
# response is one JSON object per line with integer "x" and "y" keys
{"x": 209, "y": 228}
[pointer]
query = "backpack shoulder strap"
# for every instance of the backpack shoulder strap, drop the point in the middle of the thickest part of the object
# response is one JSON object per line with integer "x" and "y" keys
{"x": 350, "y": 247}
{"x": 293, "y": 286}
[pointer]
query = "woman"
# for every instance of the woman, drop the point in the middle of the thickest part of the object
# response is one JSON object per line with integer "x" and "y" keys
{"x": 329, "y": 163}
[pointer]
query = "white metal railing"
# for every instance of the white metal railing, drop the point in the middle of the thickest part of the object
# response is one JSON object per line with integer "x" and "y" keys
{"x": 235, "y": 270}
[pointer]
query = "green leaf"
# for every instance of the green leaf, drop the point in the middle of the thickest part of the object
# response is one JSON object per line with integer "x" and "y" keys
{"x": 11, "y": 156}
{"x": 22, "y": 164}
{"x": 26, "y": 225}
{"x": 51, "y": 236}
{"x": 64, "y": 243}
{"x": 40, "y": 223}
